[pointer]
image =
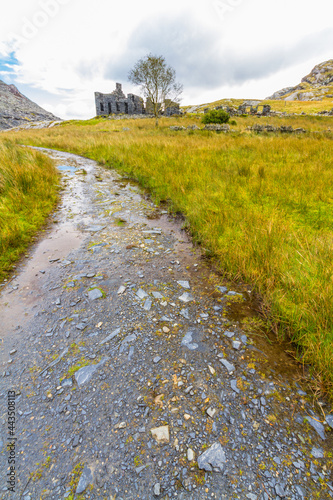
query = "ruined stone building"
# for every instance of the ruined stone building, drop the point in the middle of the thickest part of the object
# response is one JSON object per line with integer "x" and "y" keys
{"x": 117, "y": 102}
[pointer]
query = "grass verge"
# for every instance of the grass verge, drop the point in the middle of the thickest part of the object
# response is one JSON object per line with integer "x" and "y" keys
{"x": 28, "y": 192}
{"x": 262, "y": 203}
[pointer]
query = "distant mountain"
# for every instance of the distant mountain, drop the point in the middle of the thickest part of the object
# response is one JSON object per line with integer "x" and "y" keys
{"x": 316, "y": 86}
{"x": 16, "y": 109}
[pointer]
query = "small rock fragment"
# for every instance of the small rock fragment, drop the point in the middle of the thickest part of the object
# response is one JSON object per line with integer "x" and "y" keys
{"x": 161, "y": 434}
{"x": 190, "y": 455}
{"x": 213, "y": 458}
{"x": 317, "y": 426}
{"x": 85, "y": 479}
{"x": 230, "y": 367}
{"x": 141, "y": 294}
{"x": 95, "y": 294}
{"x": 184, "y": 284}
{"x": 186, "y": 297}
{"x": 157, "y": 490}
{"x": 211, "y": 412}
{"x": 211, "y": 369}
{"x": 121, "y": 290}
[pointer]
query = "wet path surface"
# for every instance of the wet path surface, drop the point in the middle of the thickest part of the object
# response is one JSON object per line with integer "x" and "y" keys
{"x": 138, "y": 372}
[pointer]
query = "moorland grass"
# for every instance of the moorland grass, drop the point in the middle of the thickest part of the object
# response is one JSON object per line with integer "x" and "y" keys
{"x": 262, "y": 203}
{"x": 28, "y": 192}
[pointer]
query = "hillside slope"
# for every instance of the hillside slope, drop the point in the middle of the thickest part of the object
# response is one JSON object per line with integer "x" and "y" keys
{"x": 315, "y": 86}
{"x": 16, "y": 109}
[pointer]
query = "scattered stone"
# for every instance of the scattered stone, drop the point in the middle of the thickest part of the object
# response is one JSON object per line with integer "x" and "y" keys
{"x": 186, "y": 297}
{"x": 211, "y": 369}
{"x": 111, "y": 336}
{"x": 85, "y": 479}
{"x": 184, "y": 284}
{"x": 187, "y": 416}
{"x": 141, "y": 294}
{"x": 94, "y": 229}
{"x": 95, "y": 294}
{"x": 279, "y": 490}
{"x": 121, "y": 290}
{"x": 184, "y": 312}
{"x": 212, "y": 459}
{"x": 147, "y": 305}
{"x": 161, "y": 434}
{"x": 236, "y": 344}
{"x": 157, "y": 295}
{"x": 211, "y": 412}
{"x": 188, "y": 341}
{"x": 84, "y": 374}
{"x": 190, "y": 455}
{"x": 165, "y": 329}
{"x": 222, "y": 289}
{"x": 157, "y": 359}
{"x": 229, "y": 366}
{"x": 317, "y": 452}
{"x": 157, "y": 489}
{"x": 234, "y": 387}
{"x": 329, "y": 421}
{"x": 13, "y": 351}
{"x": 317, "y": 426}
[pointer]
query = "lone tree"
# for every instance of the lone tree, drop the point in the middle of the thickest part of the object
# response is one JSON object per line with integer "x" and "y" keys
{"x": 157, "y": 81}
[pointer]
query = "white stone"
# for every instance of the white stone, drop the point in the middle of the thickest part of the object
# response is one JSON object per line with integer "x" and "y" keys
{"x": 190, "y": 455}
{"x": 161, "y": 434}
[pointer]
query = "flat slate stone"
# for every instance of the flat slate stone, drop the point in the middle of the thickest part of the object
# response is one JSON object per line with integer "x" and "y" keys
{"x": 317, "y": 426}
{"x": 186, "y": 297}
{"x": 188, "y": 342}
{"x": 230, "y": 367}
{"x": 148, "y": 304}
{"x": 317, "y": 453}
{"x": 234, "y": 387}
{"x": 85, "y": 479}
{"x": 84, "y": 374}
{"x": 111, "y": 336}
{"x": 329, "y": 420}
{"x": 184, "y": 284}
{"x": 141, "y": 294}
{"x": 213, "y": 458}
{"x": 95, "y": 294}
{"x": 94, "y": 228}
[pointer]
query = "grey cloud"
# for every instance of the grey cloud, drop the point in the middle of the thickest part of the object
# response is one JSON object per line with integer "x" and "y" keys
{"x": 207, "y": 59}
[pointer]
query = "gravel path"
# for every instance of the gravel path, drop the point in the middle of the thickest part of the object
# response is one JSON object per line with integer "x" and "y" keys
{"x": 134, "y": 371}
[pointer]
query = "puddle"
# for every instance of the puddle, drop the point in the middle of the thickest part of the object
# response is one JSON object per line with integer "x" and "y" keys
{"x": 67, "y": 168}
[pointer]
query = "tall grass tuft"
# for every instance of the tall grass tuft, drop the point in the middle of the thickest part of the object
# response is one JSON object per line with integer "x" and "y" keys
{"x": 28, "y": 192}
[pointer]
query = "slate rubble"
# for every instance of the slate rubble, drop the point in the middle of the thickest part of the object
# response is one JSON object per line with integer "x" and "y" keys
{"x": 153, "y": 399}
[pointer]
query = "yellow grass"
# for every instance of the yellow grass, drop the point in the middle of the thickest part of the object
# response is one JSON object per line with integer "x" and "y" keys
{"x": 28, "y": 192}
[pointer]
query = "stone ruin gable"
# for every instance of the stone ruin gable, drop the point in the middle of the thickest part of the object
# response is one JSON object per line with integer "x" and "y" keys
{"x": 117, "y": 103}
{"x": 259, "y": 109}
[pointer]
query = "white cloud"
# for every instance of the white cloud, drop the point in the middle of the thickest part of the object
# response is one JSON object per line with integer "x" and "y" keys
{"x": 67, "y": 49}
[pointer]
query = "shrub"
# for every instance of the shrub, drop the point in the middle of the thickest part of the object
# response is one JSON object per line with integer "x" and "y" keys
{"x": 216, "y": 116}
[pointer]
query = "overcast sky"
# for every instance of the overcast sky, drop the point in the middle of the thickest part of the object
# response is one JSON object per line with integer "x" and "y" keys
{"x": 59, "y": 52}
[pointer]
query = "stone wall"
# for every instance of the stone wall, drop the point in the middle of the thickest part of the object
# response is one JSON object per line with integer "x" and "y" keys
{"x": 117, "y": 102}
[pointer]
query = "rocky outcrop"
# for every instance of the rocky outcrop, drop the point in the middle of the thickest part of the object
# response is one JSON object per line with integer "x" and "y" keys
{"x": 16, "y": 109}
{"x": 316, "y": 86}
